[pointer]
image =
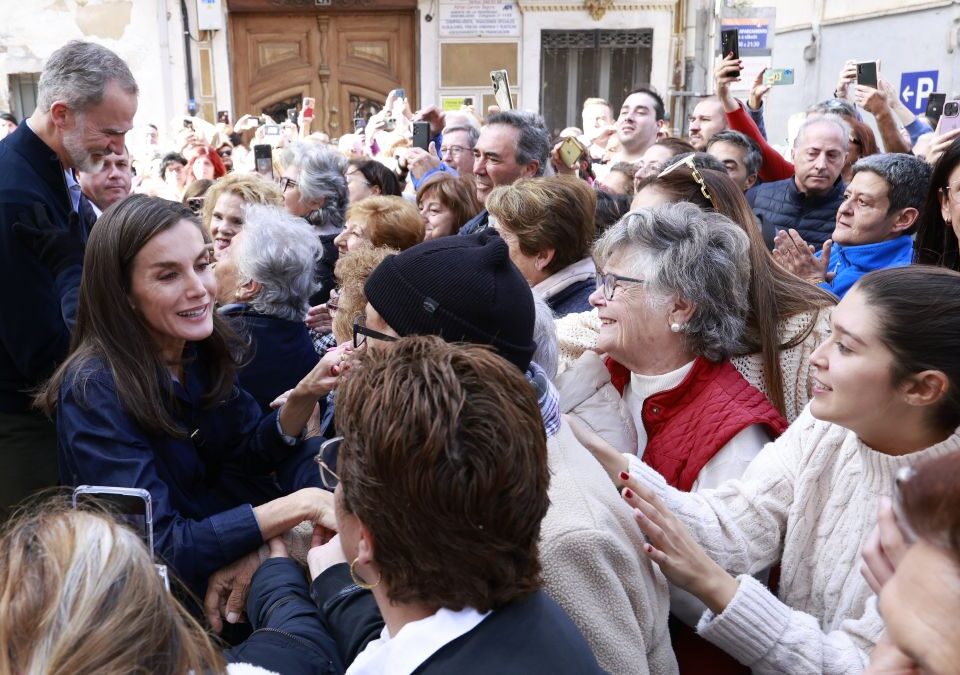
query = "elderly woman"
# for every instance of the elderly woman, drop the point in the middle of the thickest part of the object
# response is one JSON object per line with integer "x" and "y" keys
{"x": 787, "y": 318}
{"x": 264, "y": 280}
{"x": 467, "y": 601}
{"x": 370, "y": 178}
{"x": 381, "y": 221}
{"x": 447, "y": 203}
{"x": 225, "y": 201}
{"x": 548, "y": 223}
{"x": 147, "y": 397}
{"x": 919, "y": 599}
{"x": 671, "y": 295}
{"x": 315, "y": 188}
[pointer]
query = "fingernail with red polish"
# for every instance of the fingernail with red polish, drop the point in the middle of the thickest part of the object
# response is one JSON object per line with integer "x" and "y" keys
{"x": 628, "y": 493}
{"x": 624, "y": 475}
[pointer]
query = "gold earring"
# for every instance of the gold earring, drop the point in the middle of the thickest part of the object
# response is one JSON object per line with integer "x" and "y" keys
{"x": 360, "y": 582}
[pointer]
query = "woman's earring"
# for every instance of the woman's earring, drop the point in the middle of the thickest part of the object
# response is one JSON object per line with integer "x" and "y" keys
{"x": 360, "y": 582}
{"x": 676, "y": 327}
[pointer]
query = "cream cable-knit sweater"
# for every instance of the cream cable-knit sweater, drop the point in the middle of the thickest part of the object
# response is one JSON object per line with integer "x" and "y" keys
{"x": 577, "y": 333}
{"x": 808, "y": 500}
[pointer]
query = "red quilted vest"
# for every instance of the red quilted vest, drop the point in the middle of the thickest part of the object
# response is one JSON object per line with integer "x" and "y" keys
{"x": 686, "y": 426}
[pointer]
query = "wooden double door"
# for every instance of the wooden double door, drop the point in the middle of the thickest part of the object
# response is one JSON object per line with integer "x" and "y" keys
{"x": 347, "y": 62}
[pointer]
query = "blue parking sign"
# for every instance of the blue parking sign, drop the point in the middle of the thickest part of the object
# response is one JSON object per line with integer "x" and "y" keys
{"x": 916, "y": 87}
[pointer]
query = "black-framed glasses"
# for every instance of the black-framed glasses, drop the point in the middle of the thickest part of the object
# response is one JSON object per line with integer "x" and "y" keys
{"x": 361, "y": 332}
{"x": 609, "y": 282}
{"x": 287, "y": 183}
{"x": 327, "y": 461}
{"x": 688, "y": 161}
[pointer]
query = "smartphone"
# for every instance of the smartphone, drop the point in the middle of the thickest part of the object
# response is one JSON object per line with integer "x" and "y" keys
{"x": 935, "y": 107}
{"x": 570, "y": 151}
{"x": 867, "y": 74}
{"x": 778, "y": 76}
{"x": 950, "y": 119}
{"x": 468, "y": 100}
{"x": 501, "y": 89}
{"x": 390, "y": 124}
{"x": 421, "y": 135}
{"x": 263, "y": 160}
{"x": 359, "y": 125}
{"x": 292, "y": 115}
{"x": 730, "y": 43}
{"x": 400, "y": 93}
{"x": 130, "y": 506}
{"x": 308, "y": 107}
{"x": 271, "y": 130}
{"x": 223, "y": 117}
{"x": 188, "y": 124}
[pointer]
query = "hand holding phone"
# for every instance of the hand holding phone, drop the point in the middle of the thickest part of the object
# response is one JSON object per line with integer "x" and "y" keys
{"x": 421, "y": 135}
{"x": 308, "y": 107}
{"x": 571, "y": 151}
{"x": 730, "y": 45}
{"x": 263, "y": 160}
{"x": 867, "y": 74}
{"x": 950, "y": 119}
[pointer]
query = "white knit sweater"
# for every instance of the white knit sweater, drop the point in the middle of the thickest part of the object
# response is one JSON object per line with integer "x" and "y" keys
{"x": 577, "y": 333}
{"x": 808, "y": 500}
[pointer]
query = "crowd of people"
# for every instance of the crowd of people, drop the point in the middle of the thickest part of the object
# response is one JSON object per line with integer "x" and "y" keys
{"x": 615, "y": 401}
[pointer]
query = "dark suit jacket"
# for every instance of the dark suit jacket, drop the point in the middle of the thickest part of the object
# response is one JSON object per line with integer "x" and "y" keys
{"x": 34, "y": 333}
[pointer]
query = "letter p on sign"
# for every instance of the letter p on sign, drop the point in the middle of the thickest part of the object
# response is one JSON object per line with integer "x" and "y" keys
{"x": 916, "y": 87}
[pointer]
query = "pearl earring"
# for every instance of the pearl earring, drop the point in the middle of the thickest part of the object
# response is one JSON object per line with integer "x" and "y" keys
{"x": 676, "y": 327}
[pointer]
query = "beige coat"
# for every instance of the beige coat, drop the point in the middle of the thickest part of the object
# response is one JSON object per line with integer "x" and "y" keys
{"x": 594, "y": 566}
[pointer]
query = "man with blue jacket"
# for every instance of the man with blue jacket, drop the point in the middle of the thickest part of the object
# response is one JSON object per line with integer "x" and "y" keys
{"x": 86, "y": 101}
{"x": 879, "y": 212}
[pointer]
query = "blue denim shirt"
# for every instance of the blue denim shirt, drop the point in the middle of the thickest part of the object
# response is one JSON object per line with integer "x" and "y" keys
{"x": 203, "y": 491}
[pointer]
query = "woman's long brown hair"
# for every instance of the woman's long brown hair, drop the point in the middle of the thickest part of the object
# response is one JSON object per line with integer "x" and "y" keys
{"x": 775, "y": 294}
{"x": 111, "y": 334}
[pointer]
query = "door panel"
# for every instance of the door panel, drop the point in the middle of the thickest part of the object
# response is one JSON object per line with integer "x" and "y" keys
{"x": 336, "y": 58}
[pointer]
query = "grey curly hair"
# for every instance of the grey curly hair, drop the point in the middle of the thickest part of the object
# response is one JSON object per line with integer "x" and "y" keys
{"x": 700, "y": 256}
{"x": 279, "y": 251}
{"x": 322, "y": 176}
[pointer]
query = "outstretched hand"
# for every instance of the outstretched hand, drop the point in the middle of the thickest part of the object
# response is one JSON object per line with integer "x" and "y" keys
{"x": 884, "y": 548}
{"x": 669, "y": 544}
{"x": 758, "y": 91}
{"x": 727, "y": 72}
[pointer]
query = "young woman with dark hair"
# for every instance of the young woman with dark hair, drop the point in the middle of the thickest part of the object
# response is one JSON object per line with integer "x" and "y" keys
{"x": 370, "y": 178}
{"x": 939, "y": 224}
{"x": 886, "y": 396}
{"x": 147, "y": 397}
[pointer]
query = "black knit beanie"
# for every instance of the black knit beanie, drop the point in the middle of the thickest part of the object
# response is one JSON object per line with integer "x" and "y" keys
{"x": 461, "y": 288}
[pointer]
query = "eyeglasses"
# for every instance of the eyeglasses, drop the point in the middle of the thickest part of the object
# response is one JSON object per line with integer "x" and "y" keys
{"x": 609, "y": 282}
{"x": 361, "y": 332}
{"x": 287, "y": 183}
{"x": 951, "y": 193}
{"x": 902, "y": 476}
{"x": 697, "y": 176}
{"x": 454, "y": 150}
{"x": 327, "y": 460}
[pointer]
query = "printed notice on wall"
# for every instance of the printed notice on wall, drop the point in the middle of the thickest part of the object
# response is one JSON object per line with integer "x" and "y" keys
{"x": 479, "y": 18}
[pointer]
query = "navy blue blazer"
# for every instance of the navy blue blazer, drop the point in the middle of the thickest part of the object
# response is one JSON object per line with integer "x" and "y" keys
{"x": 34, "y": 333}
{"x": 282, "y": 354}
{"x": 530, "y": 635}
{"x": 203, "y": 488}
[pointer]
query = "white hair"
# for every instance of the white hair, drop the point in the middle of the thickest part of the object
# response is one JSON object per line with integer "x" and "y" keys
{"x": 78, "y": 74}
{"x": 279, "y": 251}
{"x": 545, "y": 335}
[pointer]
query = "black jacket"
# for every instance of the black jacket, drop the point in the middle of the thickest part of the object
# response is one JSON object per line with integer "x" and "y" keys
{"x": 282, "y": 353}
{"x": 288, "y": 636}
{"x": 780, "y": 206}
{"x": 532, "y": 635}
{"x": 34, "y": 333}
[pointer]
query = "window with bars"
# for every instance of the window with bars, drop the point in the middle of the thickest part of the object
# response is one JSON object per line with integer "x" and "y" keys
{"x": 579, "y": 64}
